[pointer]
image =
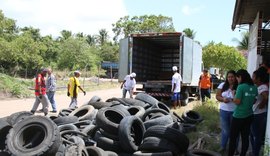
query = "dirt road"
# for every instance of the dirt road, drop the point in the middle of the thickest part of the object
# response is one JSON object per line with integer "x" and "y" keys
{"x": 8, "y": 107}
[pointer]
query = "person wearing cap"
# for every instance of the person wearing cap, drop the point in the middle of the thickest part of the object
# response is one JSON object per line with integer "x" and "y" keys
{"x": 128, "y": 85}
{"x": 40, "y": 92}
{"x": 176, "y": 87}
{"x": 205, "y": 85}
{"x": 50, "y": 89}
{"x": 73, "y": 89}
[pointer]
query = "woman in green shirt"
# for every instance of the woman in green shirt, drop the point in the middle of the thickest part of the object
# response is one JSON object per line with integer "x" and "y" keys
{"x": 244, "y": 99}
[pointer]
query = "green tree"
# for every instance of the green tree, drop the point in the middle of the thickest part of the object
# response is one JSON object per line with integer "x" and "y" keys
{"x": 8, "y": 28}
{"x": 65, "y": 34}
{"x": 142, "y": 24}
{"x": 189, "y": 33}
{"x": 35, "y": 33}
{"x": 91, "y": 40}
{"x": 223, "y": 57}
{"x": 103, "y": 36}
{"x": 243, "y": 42}
{"x": 77, "y": 54}
{"x": 109, "y": 52}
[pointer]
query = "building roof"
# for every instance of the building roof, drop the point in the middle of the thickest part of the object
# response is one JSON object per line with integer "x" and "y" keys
{"x": 245, "y": 11}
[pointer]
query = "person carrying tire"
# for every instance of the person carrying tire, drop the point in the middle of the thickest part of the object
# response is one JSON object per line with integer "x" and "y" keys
{"x": 73, "y": 89}
{"x": 176, "y": 87}
{"x": 40, "y": 92}
{"x": 128, "y": 85}
{"x": 205, "y": 85}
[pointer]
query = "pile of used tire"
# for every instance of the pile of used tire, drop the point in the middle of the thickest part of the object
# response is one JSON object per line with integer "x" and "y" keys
{"x": 142, "y": 126}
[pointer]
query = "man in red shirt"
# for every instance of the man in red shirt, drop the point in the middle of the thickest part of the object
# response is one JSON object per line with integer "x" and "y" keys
{"x": 40, "y": 92}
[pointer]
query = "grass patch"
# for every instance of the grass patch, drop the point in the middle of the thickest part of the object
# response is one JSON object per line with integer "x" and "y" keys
{"x": 209, "y": 128}
{"x": 14, "y": 87}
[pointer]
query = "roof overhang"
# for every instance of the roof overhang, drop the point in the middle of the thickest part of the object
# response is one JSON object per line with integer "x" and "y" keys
{"x": 245, "y": 11}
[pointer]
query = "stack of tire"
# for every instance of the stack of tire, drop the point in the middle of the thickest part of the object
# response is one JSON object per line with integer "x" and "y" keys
{"x": 140, "y": 127}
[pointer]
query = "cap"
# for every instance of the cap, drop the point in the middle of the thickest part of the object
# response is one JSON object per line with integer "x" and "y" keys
{"x": 44, "y": 69}
{"x": 133, "y": 75}
{"x": 174, "y": 68}
{"x": 77, "y": 72}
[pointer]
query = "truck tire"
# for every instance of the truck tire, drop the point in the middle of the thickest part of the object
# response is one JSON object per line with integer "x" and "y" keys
{"x": 162, "y": 121}
{"x": 149, "y": 112}
{"x": 136, "y": 111}
{"x": 16, "y": 117}
{"x": 184, "y": 98}
{"x": 41, "y": 137}
{"x": 146, "y": 98}
{"x": 163, "y": 106}
{"x": 131, "y": 131}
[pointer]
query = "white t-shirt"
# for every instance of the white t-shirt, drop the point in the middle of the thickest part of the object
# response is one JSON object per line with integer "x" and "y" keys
{"x": 129, "y": 84}
{"x": 176, "y": 79}
{"x": 230, "y": 106}
{"x": 256, "y": 109}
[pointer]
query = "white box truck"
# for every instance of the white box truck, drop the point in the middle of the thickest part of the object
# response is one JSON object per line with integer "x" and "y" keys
{"x": 152, "y": 55}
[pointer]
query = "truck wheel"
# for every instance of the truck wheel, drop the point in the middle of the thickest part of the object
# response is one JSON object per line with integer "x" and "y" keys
{"x": 184, "y": 98}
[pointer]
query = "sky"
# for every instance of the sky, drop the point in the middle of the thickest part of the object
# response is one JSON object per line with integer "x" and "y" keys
{"x": 210, "y": 19}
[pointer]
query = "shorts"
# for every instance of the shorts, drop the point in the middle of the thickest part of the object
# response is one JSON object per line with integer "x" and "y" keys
{"x": 176, "y": 96}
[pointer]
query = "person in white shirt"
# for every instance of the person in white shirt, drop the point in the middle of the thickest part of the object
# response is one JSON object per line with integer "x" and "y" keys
{"x": 129, "y": 85}
{"x": 258, "y": 126}
{"x": 176, "y": 87}
{"x": 225, "y": 95}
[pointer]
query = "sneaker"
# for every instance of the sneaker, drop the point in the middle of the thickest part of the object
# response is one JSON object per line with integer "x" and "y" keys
{"x": 54, "y": 111}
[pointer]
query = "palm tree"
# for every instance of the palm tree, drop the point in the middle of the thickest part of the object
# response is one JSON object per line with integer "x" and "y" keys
{"x": 103, "y": 36}
{"x": 243, "y": 43}
{"x": 189, "y": 33}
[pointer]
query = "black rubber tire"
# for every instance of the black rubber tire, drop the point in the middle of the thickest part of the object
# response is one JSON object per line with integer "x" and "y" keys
{"x": 131, "y": 131}
{"x": 119, "y": 100}
{"x": 154, "y": 144}
{"x": 99, "y": 105}
{"x": 188, "y": 127}
{"x": 65, "y": 112}
{"x": 176, "y": 117}
{"x": 61, "y": 150}
{"x": 84, "y": 112}
{"x": 90, "y": 130}
{"x": 192, "y": 117}
{"x": 146, "y": 98}
{"x": 108, "y": 144}
{"x": 40, "y": 137}
{"x": 184, "y": 98}
{"x": 136, "y": 111}
{"x": 95, "y": 151}
{"x": 62, "y": 120}
{"x": 122, "y": 108}
{"x": 134, "y": 102}
{"x": 95, "y": 99}
{"x": 4, "y": 129}
{"x": 108, "y": 134}
{"x": 68, "y": 127}
{"x": 196, "y": 152}
{"x": 109, "y": 118}
{"x": 83, "y": 123}
{"x": 163, "y": 106}
{"x": 162, "y": 121}
{"x": 140, "y": 153}
{"x": 16, "y": 117}
{"x": 149, "y": 112}
{"x": 173, "y": 135}
{"x": 76, "y": 140}
{"x": 76, "y": 150}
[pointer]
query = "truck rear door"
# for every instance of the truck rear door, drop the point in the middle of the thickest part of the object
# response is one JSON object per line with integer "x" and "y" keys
{"x": 123, "y": 59}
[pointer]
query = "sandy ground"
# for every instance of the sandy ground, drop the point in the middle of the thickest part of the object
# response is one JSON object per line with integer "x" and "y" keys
{"x": 10, "y": 106}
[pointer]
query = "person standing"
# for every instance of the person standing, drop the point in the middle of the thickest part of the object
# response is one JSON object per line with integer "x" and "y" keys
{"x": 129, "y": 85}
{"x": 73, "y": 89}
{"x": 258, "y": 126}
{"x": 244, "y": 99}
{"x": 225, "y": 96}
{"x": 50, "y": 89}
{"x": 40, "y": 92}
{"x": 176, "y": 87}
{"x": 205, "y": 85}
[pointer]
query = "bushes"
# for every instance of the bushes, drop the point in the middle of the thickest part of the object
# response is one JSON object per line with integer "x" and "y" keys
{"x": 14, "y": 87}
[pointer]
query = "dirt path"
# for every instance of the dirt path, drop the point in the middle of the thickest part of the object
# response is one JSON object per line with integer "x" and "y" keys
{"x": 8, "y": 107}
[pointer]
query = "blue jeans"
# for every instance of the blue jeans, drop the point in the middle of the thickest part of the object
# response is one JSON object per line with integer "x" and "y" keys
{"x": 257, "y": 132}
{"x": 50, "y": 95}
{"x": 225, "y": 121}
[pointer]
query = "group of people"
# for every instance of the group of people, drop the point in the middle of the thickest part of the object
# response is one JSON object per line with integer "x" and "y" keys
{"x": 243, "y": 110}
{"x": 45, "y": 90}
